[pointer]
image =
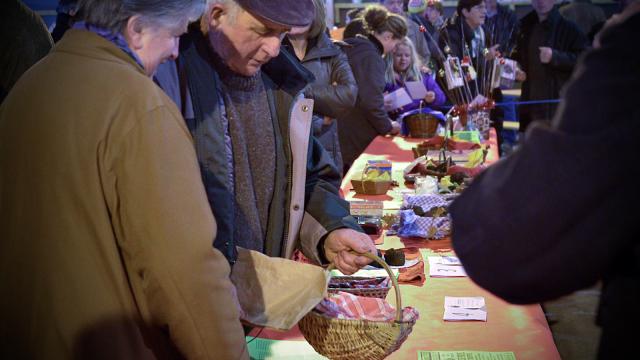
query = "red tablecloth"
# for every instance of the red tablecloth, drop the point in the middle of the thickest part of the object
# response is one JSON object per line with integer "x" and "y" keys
{"x": 521, "y": 329}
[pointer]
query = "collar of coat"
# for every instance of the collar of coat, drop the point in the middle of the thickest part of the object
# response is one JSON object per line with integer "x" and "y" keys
{"x": 374, "y": 40}
{"x": 90, "y": 44}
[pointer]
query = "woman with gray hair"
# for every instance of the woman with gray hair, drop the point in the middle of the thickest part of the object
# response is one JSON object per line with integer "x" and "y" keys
{"x": 106, "y": 232}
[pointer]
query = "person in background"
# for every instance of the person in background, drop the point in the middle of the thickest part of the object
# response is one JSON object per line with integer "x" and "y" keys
{"x": 549, "y": 220}
{"x": 270, "y": 184}
{"x": 354, "y": 25}
{"x": 106, "y": 232}
{"x": 334, "y": 89}
{"x": 24, "y": 41}
{"x": 403, "y": 65}
{"x": 465, "y": 38}
{"x": 501, "y": 26}
{"x": 66, "y": 10}
{"x": 547, "y": 48}
{"x": 583, "y": 13}
{"x": 368, "y": 119}
{"x": 428, "y": 14}
{"x": 413, "y": 30}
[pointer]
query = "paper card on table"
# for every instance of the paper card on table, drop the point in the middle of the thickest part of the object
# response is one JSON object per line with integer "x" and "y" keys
{"x": 397, "y": 99}
{"x": 445, "y": 266}
{"x": 475, "y": 302}
{"x": 466, "y": 355}
{"x": 439, "y": 270}
{"x": 461, "y": 314}
{"x": 266, "y": 349}
{"x": 444, "y": 260}
{"x": 416, "y": 89}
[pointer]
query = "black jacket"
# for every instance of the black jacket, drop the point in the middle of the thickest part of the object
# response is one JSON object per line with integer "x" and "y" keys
{"x": 553, "y": 217}
{"x": 502, "y": 28}
{"x": 457, "y": 36}
{"x": 368, "y": 119}
{"x": 284, "y": 79}
{"x": 567, "y": 42}
{"x": 334, "y": 89}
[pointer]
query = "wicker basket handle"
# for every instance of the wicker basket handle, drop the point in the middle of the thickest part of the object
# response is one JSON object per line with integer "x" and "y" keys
{"x": 396, "y": 287}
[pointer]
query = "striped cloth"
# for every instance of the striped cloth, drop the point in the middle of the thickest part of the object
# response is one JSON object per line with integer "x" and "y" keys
{"x": 344, "y": 305}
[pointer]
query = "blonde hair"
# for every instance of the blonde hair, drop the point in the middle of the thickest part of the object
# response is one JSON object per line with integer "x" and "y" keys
{"x": 413, "y": 73}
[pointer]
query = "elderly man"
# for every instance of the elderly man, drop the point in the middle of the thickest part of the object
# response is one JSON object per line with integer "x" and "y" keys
{"x": 271, "y": 186}
{"x": 105, "y": 231}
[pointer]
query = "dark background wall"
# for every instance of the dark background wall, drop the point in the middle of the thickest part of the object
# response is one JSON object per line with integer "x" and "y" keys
{"x": 47, "y": 8}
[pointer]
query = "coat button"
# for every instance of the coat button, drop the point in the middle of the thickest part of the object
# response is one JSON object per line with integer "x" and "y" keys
{"x": 305, "y": 108}
{"x": 296, "y": 207}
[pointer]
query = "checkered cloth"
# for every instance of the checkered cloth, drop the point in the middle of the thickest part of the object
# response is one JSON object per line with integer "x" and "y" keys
{"x": 344, "y": 305}
{"x": 412, "y": 225}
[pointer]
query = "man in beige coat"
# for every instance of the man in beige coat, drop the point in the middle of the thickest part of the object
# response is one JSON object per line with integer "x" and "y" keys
{"x": 105, "y": 228}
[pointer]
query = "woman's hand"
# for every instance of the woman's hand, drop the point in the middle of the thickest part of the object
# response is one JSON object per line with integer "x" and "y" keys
{"x": 493, "y": 52}
{"x": 430, "y": 97}
{"x": 395, "y": 128}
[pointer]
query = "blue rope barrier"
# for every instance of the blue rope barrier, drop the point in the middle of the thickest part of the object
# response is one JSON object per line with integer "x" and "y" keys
{"x": 530, "y": 102}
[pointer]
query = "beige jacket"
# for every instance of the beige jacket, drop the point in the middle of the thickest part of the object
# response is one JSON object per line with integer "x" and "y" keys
{"x": 105, "y": 231}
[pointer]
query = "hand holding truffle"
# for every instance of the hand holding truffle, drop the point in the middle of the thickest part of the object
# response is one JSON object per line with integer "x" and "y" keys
{"x": 338, "y": 245}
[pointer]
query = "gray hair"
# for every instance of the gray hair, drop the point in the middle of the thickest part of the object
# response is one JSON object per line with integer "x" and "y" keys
{"x": 233, "y": 9}
{"x": 114, "y": 14}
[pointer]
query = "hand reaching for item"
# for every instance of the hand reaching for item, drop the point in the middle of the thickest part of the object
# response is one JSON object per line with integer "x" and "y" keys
{"x": 339, "y": 244}
{"x": 545, "y": 54}
{"x": 395, "y": 128}
{"x": 430, "y": 97}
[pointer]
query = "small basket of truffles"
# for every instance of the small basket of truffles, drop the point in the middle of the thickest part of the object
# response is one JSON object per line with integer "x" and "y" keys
{"x": 425, "y": 216}
{"x": 375, "y": 180}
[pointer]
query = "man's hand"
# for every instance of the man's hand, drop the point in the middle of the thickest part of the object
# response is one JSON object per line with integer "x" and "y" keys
{"x": 545, "y": 54}
{"x": 520, "y": 74}
{"x": 340, "y": 242}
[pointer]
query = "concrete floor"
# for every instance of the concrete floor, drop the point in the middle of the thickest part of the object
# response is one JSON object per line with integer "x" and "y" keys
{"x": 572, "y": 322}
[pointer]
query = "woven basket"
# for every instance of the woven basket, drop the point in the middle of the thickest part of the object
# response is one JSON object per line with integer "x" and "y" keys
{"x": 377, "y": 292}
{"x": 368, "y": 187}
{"x": 357, "y": 339}
{"x": 421, "y": 125}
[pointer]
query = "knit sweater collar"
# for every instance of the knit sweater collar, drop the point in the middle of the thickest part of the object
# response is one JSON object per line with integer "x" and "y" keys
{"x": 231, "y": 79}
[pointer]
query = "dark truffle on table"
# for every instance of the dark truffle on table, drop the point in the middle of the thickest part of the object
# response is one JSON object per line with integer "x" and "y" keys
{"x": 394, "y": 257}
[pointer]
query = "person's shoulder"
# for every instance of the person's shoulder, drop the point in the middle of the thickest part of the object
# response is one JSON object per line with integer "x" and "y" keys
{"x": 360, "y": 43}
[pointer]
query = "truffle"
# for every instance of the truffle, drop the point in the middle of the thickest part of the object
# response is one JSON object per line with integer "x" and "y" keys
{"x": 394, "y": 257}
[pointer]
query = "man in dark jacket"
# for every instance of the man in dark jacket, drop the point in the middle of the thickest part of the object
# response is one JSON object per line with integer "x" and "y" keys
{"x": 271, "y": 186}
{"x": 501, "y": 26}
{"x": 552, "y": 218}
{"x": 547, "y": 50}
